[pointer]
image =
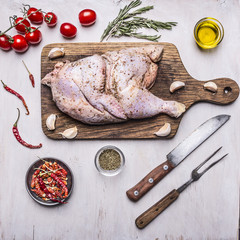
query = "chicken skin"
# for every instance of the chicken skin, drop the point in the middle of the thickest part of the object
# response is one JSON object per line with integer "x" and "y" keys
{"x": 109, "y": 88}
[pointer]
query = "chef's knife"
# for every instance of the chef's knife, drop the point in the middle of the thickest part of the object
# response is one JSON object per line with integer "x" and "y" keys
{"x": 177, "y": 155}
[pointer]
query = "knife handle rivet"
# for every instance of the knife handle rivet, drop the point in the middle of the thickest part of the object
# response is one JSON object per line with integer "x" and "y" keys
{"x": 150, "y": 180}
{"x": 165, "y": 167}
{"x": 136, "y": 193}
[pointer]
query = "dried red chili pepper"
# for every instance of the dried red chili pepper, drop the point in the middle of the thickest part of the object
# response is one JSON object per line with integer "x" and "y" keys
{"x": 34, "y": 177}
{"x": 63, "y": 171}
{"x": 30, "y": 75}
{"x": 58, "y": 194}
{"x": 36, "y": 172}
{"x": 33, "y": 182}
{"x": 59, "y": 173}
{"x": 17, "y": 136}
{"x": 17, "y": 95}
{"x": 60, "y": 182}
{"x": 45, "y": 190}
{"x": 39, "y": 192}
{"x": 43, "y": 187}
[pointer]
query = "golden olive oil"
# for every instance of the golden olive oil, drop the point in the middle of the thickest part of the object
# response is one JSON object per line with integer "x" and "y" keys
{"x": 208, "y": 33}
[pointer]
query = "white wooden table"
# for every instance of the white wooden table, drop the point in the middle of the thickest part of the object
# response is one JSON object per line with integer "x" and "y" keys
{"x": 98, "y": 207}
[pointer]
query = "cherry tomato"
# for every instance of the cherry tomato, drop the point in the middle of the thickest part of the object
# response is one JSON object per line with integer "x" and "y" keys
{"x": 87, "y": 17}
{"x": 51, "y": 19}
{"x": 4, "y": 43}
{"x": 68, "y": 30}
{"x": 35, "y": 18}
{"x": 21, "y": 27}
{"x": 19, "y": 44}
{"x": 33, "y": 36}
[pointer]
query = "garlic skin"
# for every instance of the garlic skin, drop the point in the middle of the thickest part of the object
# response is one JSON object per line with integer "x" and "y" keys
{"x": 69, "y": 133}
{"x": 164, "y": 131}
{"x": 211, "y": 86}
{"x": 56, "y": 53}
{"x": 50, "y": 122}
{"x": 176, "y": 85}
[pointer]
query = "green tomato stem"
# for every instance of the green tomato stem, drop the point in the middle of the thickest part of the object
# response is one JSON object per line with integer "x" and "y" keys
{"x": 2, "y": 33}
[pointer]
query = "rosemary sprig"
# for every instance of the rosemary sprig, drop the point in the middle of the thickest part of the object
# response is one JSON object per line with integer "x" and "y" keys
{"x": 122, "y": 27}
{"x": 129, "y": 30}
{"x": 148, "y": 23}
{"x": 138, "y": 11}
{"x": 153, "y": 38}
{"x": 124, "y": 14}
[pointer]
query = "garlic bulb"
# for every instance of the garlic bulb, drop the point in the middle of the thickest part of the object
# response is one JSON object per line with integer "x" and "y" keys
{"x": 164, "y": 131}
{"x": 176, "y": 85}
{"x": 69, "y": 133}
{"x": 56, "y": 52}
{"x": 211, "y": 86}
{"x": 50, "y": 122}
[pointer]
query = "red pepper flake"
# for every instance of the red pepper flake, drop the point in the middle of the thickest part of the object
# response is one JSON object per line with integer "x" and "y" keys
{"x": 46, "y": 191}
{"x": 61, "y": 183}
{"x": 17, "y": 95}
{"x": 18, "y": 137}
{"x": 44, "y": 185}
{"x": 30, "y": 75}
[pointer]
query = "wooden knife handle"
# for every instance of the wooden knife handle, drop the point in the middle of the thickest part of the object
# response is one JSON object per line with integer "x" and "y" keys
{"x": 148, "y": 182}
{"x": 145, "y": 218}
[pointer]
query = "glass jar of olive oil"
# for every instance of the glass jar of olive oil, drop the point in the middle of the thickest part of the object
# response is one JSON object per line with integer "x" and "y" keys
{"x": 208, "y": 33}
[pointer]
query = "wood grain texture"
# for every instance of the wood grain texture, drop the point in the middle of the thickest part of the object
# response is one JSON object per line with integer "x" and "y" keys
{"x": 170, "y": 69}
{"x": 145, "y": 218}
{"x": 145, "y": 184}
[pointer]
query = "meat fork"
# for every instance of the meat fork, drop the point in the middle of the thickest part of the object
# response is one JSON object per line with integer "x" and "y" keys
{"x": 145, "y": 218}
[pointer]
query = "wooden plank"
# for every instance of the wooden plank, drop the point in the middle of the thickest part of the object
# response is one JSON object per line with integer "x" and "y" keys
{"x": 170, "y": 69}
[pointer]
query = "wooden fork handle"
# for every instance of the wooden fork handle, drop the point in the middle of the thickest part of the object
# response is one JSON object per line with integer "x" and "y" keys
{"x": 145, "y": 218}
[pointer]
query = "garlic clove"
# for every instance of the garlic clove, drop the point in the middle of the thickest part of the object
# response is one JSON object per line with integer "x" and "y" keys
{"x": 164, "y": 131}
{"x": 176, "y": 85}
{"x": 56, "y": 53}
{"x": 50, "y": 122}
{"x": 211, "y": 86}
{"x": 69, "y": 133}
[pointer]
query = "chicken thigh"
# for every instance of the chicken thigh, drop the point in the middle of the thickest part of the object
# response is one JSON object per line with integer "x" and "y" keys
{"x": 113, "y": 87}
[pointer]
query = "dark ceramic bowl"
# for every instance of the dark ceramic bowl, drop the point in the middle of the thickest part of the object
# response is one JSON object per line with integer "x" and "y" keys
{"x": 32, "y": 169}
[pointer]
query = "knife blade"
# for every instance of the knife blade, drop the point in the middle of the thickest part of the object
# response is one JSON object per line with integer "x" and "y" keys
{"x": 177, "y": 155}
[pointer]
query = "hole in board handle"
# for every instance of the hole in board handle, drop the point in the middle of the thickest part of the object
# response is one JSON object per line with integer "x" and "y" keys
{"x": 227, "y": 90}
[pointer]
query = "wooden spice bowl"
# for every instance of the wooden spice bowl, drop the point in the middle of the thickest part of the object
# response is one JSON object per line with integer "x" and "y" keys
{"x": 109, "y": 160}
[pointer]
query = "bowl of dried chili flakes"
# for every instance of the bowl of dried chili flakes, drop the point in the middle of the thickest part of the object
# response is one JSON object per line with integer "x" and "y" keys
{"x": 49, "y": 181}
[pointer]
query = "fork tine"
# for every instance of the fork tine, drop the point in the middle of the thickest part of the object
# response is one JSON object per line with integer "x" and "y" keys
{"x": 201, "y": 164}
{"x": 211, "y": 165}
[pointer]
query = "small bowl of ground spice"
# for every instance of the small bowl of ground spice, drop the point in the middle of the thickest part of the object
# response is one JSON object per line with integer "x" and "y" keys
{"x": 109, "y": 160}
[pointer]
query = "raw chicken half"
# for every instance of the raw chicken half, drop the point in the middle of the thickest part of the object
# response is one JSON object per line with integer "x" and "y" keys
{"x": 109, "y": 88}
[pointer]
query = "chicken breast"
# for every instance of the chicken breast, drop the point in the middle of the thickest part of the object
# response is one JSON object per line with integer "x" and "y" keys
{"x": 113, "y": 87}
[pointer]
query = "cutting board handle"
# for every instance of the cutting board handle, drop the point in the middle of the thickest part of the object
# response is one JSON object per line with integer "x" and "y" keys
{"x": 170, "y": 69}
{"x": 227, "y": 91}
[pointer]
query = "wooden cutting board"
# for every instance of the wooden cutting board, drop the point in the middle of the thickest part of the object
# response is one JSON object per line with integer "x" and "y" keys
{"x": 170, "y": 69}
